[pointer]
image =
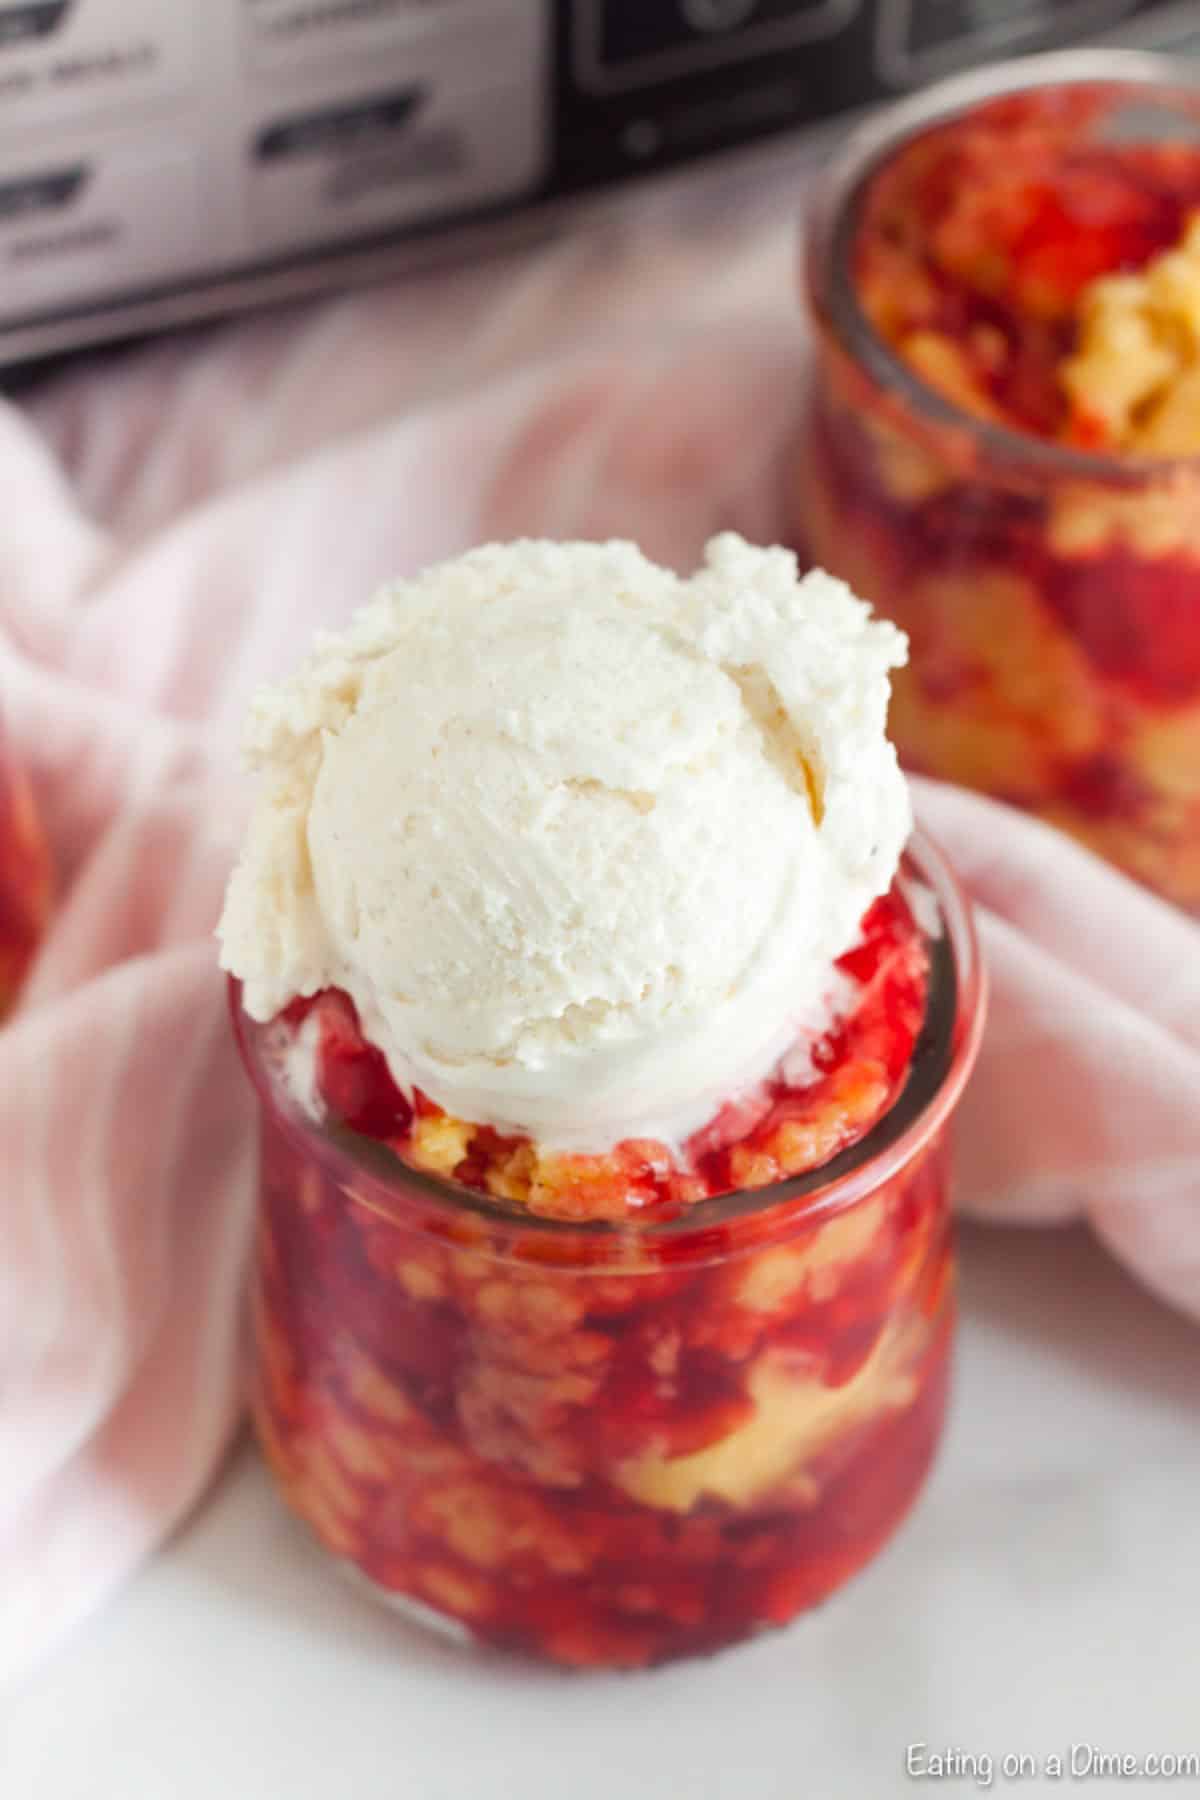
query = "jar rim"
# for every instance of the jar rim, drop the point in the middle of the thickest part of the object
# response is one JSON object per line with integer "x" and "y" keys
{"x": 942, "y": 1061}
{"x": 826, "y": 244}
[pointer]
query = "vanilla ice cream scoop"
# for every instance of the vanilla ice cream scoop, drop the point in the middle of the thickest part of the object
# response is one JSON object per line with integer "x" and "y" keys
{"x": 580, "y": 838}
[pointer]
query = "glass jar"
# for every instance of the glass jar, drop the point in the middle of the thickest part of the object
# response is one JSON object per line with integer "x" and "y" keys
{"x": 610, "y": 1445}
{"x": 25, "y": 876}
{"x": 1051, "y": 594}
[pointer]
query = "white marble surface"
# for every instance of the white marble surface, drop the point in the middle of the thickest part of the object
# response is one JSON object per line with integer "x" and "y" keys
{"x": 1045, "y": 1593}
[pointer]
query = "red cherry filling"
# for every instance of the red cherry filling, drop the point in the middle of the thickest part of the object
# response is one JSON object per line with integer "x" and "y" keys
{"x": 1135, "y": 617}
{"x": 353, "y": 1077}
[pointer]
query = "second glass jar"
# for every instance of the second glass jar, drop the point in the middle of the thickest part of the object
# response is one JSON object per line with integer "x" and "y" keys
{"x": 1051, "y": 595}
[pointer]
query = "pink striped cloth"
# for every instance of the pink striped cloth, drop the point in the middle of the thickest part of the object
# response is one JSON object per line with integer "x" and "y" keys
{"x": 175, "y": 523}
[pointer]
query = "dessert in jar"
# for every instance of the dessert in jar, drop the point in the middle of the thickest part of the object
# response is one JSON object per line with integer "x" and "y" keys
{"x": 1002, "y": 441}
{"x": 606, "y": 1030}
{"x": 25, "y": 877}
